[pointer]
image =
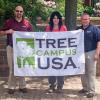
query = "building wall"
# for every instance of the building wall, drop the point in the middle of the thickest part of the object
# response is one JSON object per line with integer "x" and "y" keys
{"x": 3, "y": 50}
{"x": 4, "y": 70}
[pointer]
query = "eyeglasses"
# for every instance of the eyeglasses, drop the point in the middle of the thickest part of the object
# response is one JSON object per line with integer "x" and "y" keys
{"x": 19, "y": 11}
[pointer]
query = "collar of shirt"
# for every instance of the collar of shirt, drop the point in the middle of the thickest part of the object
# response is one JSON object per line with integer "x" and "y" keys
{"x": 84, "y": 27}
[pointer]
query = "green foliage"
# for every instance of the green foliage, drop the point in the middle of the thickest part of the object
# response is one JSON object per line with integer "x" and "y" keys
{"x": 32, "y": 9}
{"x": 80, "y": 7}
{"x": 83, "y": 8}
{"x": 89, "y": 10}
{"x": 60, "y": 6}
{"x": 35, "y": 8}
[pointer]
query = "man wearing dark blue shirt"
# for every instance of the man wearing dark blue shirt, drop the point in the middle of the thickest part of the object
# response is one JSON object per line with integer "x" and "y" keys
{"x": 92, "y": 52}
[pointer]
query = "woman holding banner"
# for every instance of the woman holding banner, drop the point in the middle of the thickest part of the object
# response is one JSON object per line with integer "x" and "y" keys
{"x": 55, "y": 25}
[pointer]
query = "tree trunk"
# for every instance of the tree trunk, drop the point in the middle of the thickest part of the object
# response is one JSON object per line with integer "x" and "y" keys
{"x": 70, "y": 14}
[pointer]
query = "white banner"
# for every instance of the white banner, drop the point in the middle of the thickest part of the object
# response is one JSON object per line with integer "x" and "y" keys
{"x": 48, "y": 53}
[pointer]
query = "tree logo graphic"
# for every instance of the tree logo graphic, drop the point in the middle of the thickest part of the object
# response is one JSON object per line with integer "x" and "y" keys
{"x": 25, "y": 48}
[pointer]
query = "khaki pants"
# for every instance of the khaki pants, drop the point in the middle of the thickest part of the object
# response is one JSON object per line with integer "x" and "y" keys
{"x": 88, "y": 79}
{"x": 13, "y": 80}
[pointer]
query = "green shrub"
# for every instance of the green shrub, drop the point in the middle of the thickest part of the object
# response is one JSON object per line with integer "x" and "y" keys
{"x": 89, "y": 10}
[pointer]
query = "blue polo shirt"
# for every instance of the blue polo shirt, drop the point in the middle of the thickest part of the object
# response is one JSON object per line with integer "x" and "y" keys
{"x": 91, "y": 37}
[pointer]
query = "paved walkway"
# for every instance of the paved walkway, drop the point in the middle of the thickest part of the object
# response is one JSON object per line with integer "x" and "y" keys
{"x": 37, "y": 90}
